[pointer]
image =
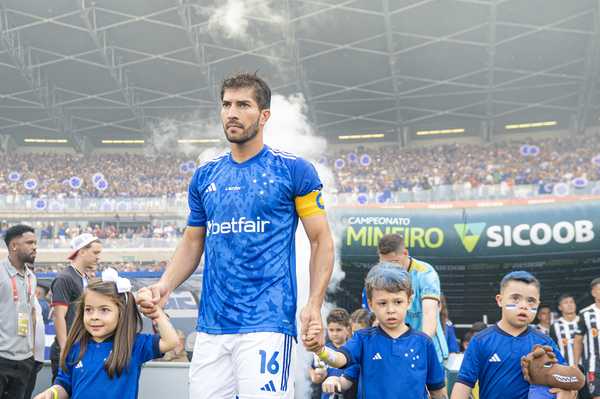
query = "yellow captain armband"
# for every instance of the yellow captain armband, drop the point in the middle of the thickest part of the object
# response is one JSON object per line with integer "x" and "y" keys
{"x": 54, "y": 391}
{"x": 310, "y": 204}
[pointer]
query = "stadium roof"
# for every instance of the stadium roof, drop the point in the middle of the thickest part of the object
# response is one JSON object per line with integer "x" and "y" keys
{"x": 111, "y": 68}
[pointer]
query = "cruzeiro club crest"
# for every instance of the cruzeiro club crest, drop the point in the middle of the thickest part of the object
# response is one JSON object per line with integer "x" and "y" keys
{"x": 469, "y": 234}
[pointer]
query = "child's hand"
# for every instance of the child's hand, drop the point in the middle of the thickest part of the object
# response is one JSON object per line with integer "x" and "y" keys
{"x": 311, "y": 338}
{"x": 332, "y": 385}
{"x": 47, "y": 394}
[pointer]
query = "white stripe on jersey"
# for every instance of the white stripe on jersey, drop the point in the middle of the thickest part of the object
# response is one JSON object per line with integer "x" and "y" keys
{"x": 283, "y": 155}
{"x": 591, "y": 317}
{"x": 565, "y": 331}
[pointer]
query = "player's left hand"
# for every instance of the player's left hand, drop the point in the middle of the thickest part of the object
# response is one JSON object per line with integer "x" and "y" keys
{"x": 562, "y": 394}
{"x": 310, "y": 316}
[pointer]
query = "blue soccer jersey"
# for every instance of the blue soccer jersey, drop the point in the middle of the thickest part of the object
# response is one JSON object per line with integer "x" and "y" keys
{"x": 493, "y": 358}
{"x": 250, "y": 211}
{"x": 88, "y": 379}
{"x": 425, "y": 283}
{"x": 403, "y": 367}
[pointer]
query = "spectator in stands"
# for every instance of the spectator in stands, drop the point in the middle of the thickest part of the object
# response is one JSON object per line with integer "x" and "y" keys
{"x": 68, "y": 286}
{"x": 17, "y": 311}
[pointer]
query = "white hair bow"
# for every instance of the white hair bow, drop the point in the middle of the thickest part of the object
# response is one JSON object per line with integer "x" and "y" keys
{"x": 123, "y": 284}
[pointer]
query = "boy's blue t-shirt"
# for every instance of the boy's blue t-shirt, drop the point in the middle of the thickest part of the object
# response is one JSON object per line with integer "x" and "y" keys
{"x": 494, "y": 359}
{"x": 87, "y": 378}
{"x": 403, "y": 367}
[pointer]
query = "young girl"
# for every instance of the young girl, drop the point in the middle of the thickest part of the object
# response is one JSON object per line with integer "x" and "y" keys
{"x": 105, "y": 350}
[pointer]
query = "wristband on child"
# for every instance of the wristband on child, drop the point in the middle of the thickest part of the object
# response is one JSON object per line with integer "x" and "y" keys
{"x": 54, "y": 391}
{"x": 326, "y": 354}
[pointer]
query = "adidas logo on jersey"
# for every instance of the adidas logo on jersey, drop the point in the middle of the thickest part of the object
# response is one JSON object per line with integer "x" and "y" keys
{"x": 79, "y": 365}
{"x": 212, "y": 187}
{"x": 495, "y": 358}
{"x": 269, "y": 387}
{"x": 377, "y": 356}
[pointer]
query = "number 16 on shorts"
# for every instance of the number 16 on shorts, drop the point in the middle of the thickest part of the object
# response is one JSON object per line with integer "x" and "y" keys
{"x": 275, "y": 367}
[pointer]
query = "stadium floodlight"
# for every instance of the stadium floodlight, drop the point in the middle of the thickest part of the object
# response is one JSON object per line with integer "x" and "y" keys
{"x": 46, "y": 141}
{"x": 128, "y": 141}
{"x": 530, "y": 125}
{"x": 441, "y": 131}
{"x": 198, "y": 141}
{"x": 362, "y": 136}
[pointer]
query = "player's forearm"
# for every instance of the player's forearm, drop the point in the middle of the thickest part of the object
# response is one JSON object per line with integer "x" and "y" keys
{"x": 184, "y": 262}
{"x": 430, "y": 316}
{"x": 321, "y": 267}
{"x": 439, "y": 394}
{"x": 460, "y": 391}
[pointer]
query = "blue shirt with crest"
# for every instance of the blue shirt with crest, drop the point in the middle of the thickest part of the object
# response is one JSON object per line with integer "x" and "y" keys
{"x": 403, "y": 367}
{"x": 493, "y": 358}
{"x": 250, "y": 211}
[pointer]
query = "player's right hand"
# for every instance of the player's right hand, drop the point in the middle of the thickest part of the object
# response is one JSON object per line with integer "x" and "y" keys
{"x": 310, "y": 338}
{"x": 332, "y": 385}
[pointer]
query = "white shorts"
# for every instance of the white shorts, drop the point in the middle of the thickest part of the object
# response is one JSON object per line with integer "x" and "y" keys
{"x": 253, "y": 365}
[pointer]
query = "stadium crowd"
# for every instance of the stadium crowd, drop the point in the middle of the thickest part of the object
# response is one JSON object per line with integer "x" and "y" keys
{"x": 393, "y": 169}
{"x": 126, "y": 175}
{"x": 389, "y": 169}
{"x": 63, "y": 232}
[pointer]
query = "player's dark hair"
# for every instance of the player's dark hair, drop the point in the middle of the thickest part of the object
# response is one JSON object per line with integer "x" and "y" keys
{"x": 388, "y": 277}
{"x": 519, "y": 275}
{"x": 16, "y": 231}
{"x": 340, "y": 316}
{"x": 544, "y": 306}
{"x": 595, "y": 282}
{"x": 390, "y": 243}
{"x": 262, "y": 92}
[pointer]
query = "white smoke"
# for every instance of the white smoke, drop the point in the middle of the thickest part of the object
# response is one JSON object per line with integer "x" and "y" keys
{"x": 233, "y": 18}
{"x": 166, "y": 133}
{"x": 289, "y": 129}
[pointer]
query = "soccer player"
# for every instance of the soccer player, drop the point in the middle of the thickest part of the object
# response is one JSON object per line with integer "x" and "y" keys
{"x": 424, "y": 312}
{"x": 244, "y": 210}
{"x": 563, "y": 330}
{"x": 395, "y": 360}
{"x": 587, "y": 334}
{"x": 493, "y": 355}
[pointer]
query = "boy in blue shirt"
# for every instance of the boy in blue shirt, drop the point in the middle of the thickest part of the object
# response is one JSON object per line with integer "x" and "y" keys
{"x": 494, "y": 354}
{"x": 395, "y": 360}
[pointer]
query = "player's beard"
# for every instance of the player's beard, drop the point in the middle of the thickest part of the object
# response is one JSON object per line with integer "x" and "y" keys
{"x": 248, "y": 134}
